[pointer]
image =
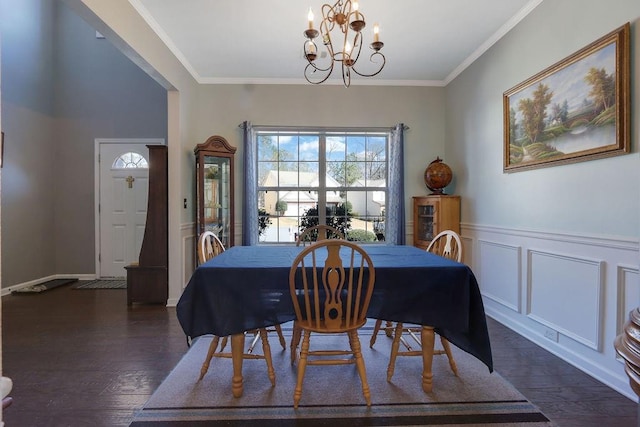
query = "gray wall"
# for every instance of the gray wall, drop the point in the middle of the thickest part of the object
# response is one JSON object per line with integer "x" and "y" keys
{"x": 599, "y": 197}
{"x": 555, "y": 249}
{"x": 420, "y": 108}
{"x": 28, "y": 185}
{"x": 61, "y": 89}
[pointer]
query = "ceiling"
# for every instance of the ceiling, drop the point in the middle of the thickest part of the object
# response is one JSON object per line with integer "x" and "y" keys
{"x": 426, "y": 42}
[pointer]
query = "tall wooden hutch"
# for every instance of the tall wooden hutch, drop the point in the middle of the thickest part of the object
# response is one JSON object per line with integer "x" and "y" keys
{"x": 214, "y": 188}
{"x": 148, "y": 279}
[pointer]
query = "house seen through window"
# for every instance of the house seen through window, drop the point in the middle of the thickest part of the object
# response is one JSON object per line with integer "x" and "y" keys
{"x": 327, "y": 177}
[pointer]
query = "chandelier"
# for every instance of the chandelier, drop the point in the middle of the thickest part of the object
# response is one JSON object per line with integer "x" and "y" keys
{"x": 341, "y": 28}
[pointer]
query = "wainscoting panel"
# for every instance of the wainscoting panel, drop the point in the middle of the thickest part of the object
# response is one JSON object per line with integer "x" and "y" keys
{"x": 499, "y": 277}
{"x": 576, "y": 291}
{"x": 467, "y": 250}
{"x": 189, "y": 262}
{"x": 565, "y": 293}
{"x": 628, "y": 294}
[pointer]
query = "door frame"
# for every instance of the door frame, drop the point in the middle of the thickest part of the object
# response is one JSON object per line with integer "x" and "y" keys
{"x": 97, "y": 183}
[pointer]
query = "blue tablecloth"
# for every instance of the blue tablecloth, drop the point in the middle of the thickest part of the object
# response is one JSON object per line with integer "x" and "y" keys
{"x": 247, "y": 287}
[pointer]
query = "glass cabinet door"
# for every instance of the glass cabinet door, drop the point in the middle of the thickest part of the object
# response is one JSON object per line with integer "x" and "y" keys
{"x": 426, "y": 214}
{"x": 216, "y": 196}
{"x": 214, "y": 189}
{"x": 433, "y": 214}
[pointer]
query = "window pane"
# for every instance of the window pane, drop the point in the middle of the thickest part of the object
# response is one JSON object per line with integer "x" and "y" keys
{"x": 336, "y": 174}
{"x": 367, "y": 215}
{"x": 288, "y": 175}
{"x": 335, "y": 148}
{"x": 309, "y": 174}
{"x": 282, "y": 208}
{"x": 354, "y": 172}
{"x": 267, "y": 147}
{"x": 288, "y": 148}
{"x": 267, "y": 174}
{"x": 375, "y": 172}
{"x": 378, "y": 146}
{"x": 356, "y": 146}
{"x": 309, "y": 147}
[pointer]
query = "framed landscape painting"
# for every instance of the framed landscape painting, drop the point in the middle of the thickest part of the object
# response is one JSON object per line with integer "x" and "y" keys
{"x": 575, "y": 110}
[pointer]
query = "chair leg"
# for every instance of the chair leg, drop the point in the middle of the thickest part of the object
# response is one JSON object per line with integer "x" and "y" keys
{"x": 225, "y": 339}
{"x": 266, "y": 350}
{"x": 283, "y": 342}
{"x": 354, "y": 342}
{"x": 374, "y": 335}
{"x": 256, "y": 337}
{"x": 207, "y": 361}
{"x": 295, "y": 341}
{"x": 302, "y": 365}
{"x": 427, "y": 336}
{"x": 388, "y": 329}
{"x": 394, "y": 350}
{"x": 447, "y": 349}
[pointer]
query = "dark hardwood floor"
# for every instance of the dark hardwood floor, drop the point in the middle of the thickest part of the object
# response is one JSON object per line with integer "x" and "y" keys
{"x": 83, "y": 358}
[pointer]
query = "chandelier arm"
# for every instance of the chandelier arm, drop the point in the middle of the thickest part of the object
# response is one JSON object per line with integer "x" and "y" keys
{"x": 384, "y": 61}
{"x": 308, "y": 71}
{"x": 317, "y": 68}
{"x": 328, "y": 15}
{"x": 346, "y": 75}
{"x": 357, "y": 42}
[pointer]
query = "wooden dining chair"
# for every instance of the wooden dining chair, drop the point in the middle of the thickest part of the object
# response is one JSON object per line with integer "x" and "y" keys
{"x": 308, "y": 236}
{"x": 331, "y": 284}
{"x": 209, "y": 246}
{"x": 446, "y": 244}
{"x": 317, "y": 233}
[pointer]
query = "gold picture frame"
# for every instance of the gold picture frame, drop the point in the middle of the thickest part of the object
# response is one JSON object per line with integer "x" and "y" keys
{"x": 575, "y": 110}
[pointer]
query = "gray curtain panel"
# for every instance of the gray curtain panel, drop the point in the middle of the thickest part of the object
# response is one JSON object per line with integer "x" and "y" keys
{"x": 395, "y": 211}
{"x": 250, "y": 202}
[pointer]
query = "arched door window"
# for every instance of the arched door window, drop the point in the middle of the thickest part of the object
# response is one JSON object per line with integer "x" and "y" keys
{"x": 130, "y": 160}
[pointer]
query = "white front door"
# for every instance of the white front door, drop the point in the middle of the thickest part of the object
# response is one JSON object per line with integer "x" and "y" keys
{"x": 124, "y": 183}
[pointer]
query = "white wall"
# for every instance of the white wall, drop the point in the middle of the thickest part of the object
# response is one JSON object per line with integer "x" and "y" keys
{"x": 555, "y": 249}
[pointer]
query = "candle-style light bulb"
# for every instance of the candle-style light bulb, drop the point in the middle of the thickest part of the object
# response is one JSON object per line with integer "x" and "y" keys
{"x": 310, "y": 17}
{"x": 356, "y": 6}
{"x": 376, "y": 32}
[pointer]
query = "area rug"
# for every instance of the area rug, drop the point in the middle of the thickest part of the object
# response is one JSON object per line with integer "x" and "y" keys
{"x": 332, "y": 395}
{"x": 103, "y": 284}
{"x": 41, "y": 287}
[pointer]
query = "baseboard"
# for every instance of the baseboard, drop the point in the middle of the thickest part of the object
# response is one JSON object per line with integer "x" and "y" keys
{"x": 588, "y": 367}
{"x": 9, "y": 289}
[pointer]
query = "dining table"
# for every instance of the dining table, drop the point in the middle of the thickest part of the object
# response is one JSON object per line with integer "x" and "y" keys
{"x": 247, "y": 287}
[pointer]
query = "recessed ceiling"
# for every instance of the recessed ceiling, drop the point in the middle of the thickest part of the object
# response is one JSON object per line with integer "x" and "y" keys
{"x": 426, "y": 42}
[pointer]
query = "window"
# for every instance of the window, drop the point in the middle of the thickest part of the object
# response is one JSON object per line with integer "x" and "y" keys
{"x": 130, "y": 160}
{"x": 328, "y": 177}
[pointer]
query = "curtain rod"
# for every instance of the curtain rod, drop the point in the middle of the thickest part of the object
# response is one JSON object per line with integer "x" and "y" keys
{"x": 323, "y": 128}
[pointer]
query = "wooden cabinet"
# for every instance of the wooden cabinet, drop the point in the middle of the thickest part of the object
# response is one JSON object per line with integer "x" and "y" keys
{"x": 214, "y": 188}
{"x": 433, "y": 214}
{"x": 148, "y": 280}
